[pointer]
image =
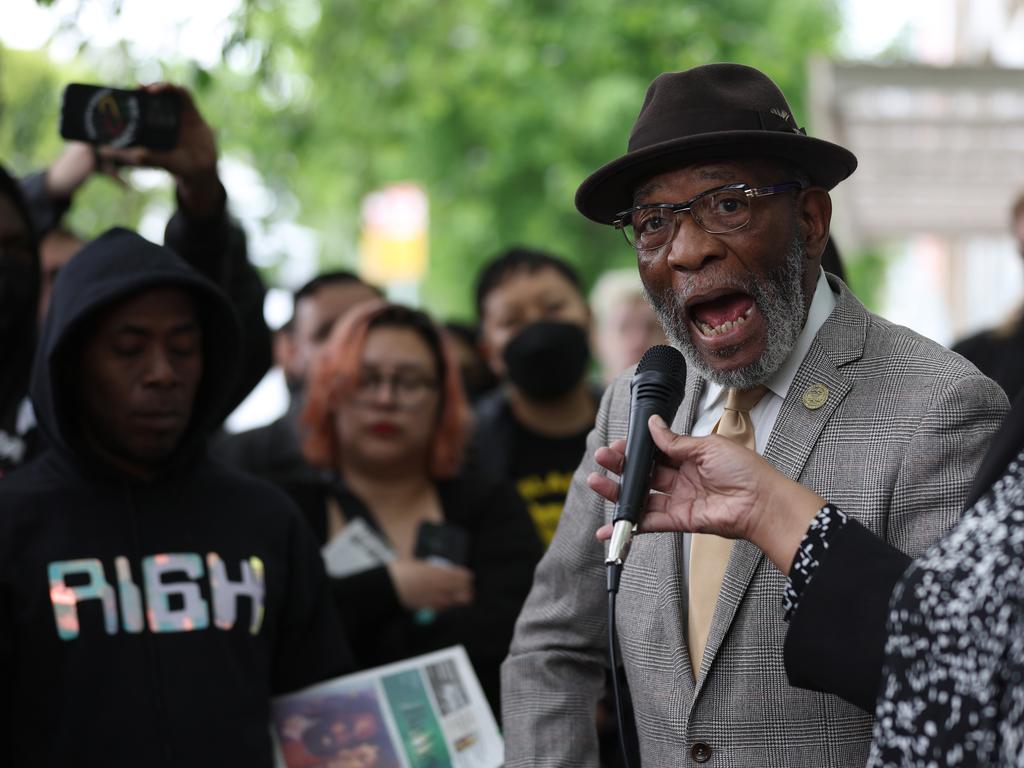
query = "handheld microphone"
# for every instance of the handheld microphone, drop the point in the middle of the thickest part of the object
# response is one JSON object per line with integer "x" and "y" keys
{"x": 657, "y": 388}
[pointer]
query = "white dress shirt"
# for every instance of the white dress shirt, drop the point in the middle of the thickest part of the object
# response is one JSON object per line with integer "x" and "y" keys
{"x": 764, "y": 414}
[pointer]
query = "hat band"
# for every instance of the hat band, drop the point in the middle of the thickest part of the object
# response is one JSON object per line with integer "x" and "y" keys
{"x": 694, "y": 122}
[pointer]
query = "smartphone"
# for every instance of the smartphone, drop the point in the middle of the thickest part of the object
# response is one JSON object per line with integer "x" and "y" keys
{"x": 119, "y": 118}
{"x": 440, "y": 542}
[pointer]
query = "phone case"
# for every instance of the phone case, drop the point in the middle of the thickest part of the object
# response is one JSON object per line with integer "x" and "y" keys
{"x": 444, "y": 542}
{"x": 120, "y": 118}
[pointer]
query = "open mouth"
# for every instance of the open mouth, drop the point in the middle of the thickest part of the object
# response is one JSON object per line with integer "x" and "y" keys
{"x": 722, "y": 314}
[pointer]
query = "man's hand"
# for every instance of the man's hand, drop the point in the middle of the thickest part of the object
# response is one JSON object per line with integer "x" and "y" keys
{"x": 713, "y": 485}
{"x": 192, "y": 162}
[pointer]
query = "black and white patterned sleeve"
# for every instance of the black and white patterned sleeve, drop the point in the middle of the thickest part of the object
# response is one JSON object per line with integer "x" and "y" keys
{"x": 826, "y": 524}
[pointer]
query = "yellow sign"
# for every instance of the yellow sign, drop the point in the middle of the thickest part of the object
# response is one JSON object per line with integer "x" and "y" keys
{"x": 393, "y": 247}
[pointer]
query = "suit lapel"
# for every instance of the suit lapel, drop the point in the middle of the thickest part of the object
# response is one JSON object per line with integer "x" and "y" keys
{"x": 794, "y": 435}
{"x": 670, "y": 555}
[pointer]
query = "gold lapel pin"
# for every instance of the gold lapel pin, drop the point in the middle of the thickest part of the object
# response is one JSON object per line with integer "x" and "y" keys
{"x": 815, "y": 396}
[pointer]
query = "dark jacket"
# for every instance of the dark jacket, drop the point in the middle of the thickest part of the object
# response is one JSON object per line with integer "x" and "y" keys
{"x": 273, "y": 451}
{"x": 19, "y": 294}
{"x": 216, "y": 247}
{"x": 503, "y": 549}
{"x": 836, "y": 639}
{"x": 999, "y": 354}
{"x": 148, "y": 622}
{"x": 494, "y": 434}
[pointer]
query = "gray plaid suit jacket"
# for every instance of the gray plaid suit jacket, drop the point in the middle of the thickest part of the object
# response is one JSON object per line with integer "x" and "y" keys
{"x": 896, "y": 445}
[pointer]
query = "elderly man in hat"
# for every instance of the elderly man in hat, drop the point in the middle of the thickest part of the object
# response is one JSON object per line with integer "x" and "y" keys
{"x": 725, "y": 200}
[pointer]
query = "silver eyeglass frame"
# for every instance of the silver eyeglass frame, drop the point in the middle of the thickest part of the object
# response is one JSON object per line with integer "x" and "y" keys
{"x": 624, "y": 218}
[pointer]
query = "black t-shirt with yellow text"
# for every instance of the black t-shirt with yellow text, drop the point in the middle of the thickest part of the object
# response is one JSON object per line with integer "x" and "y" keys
{"x": 541, "y": 469}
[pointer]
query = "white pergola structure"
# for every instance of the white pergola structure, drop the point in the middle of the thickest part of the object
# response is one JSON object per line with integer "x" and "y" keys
{"x": 941, "y": 157}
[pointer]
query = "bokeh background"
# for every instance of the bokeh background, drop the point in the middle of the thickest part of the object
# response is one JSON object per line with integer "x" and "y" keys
{"x": 495, "y": 110}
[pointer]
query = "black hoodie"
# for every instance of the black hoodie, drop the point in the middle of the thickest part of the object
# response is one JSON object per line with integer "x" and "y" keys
{"x": 19, "y": 293}
{"x": 148, "y": 623}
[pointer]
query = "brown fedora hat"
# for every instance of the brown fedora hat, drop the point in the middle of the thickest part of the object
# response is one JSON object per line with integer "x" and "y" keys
{"x": 716, "y": 111}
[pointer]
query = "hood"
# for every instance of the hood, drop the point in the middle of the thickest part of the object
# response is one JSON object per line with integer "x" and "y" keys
{"x": 17, "y": 334}
{"x": 114, "y": 266}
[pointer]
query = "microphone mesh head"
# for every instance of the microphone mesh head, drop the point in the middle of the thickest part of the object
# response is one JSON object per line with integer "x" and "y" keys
{"x": 663, "y": 358}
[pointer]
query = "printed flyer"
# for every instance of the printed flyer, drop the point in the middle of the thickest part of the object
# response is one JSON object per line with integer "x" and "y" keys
{"x": 424, "y": 712}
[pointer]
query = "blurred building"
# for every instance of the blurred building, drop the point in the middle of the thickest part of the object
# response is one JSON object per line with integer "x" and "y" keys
{"x": 940, "y": 141}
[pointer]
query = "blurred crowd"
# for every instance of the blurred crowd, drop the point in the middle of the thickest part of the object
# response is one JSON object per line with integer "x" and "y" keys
{"x": 427, "y": 459}
{"x": 424, "y": 461}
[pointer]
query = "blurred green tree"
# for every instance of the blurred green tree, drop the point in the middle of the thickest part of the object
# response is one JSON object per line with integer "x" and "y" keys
{"x": 499, "y": 108}
{"x": 30, "y": 87}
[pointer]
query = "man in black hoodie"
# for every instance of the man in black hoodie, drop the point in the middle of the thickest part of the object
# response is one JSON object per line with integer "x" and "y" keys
{"x": 151, "y": 600}
{"x": 201, "y": 231}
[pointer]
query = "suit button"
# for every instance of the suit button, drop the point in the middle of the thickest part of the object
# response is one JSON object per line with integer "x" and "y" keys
{"x": 700, "y": 752}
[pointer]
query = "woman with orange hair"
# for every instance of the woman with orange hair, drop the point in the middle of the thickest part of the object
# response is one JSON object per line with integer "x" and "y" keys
{"x": 455, "y": 553}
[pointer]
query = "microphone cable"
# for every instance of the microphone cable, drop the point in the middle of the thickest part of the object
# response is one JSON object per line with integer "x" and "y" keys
{"x": 614, "y": 571}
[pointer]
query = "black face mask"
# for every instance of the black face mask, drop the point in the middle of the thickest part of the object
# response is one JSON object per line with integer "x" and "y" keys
{"x": 547, "y": 359}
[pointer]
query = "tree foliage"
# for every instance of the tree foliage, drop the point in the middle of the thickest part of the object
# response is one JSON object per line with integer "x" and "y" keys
{"x": 29, "y": 96}
{"x": 499, "y": 108}
{"x": 30, "y": 92}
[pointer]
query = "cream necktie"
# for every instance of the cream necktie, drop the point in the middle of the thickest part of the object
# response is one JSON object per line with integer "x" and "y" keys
{"x": 709, "y": 555}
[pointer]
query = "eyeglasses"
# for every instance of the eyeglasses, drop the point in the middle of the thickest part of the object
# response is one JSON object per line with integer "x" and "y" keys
{"x": 716, "y": 211}
{"x": 409, "y": 390}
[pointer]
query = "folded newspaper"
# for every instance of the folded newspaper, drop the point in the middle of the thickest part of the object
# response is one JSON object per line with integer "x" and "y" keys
{"x": 424, "y": 712}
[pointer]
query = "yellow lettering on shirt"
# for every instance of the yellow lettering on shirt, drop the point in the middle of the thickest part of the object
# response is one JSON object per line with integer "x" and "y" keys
{"x": 545, "y": 498}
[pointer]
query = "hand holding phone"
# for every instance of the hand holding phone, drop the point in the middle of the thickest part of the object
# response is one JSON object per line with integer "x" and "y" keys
{"x": 446, "y": 546}
{"x": 121, "y": 118}
{"x": 175, "y": 138}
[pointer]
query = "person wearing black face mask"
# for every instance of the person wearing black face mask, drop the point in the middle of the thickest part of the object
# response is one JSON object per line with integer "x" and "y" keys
{"x": 19, "y": 289}
{"x": 532, "y": 430}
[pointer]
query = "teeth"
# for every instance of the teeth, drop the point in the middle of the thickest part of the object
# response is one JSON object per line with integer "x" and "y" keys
{"x": 725, "y": 327}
